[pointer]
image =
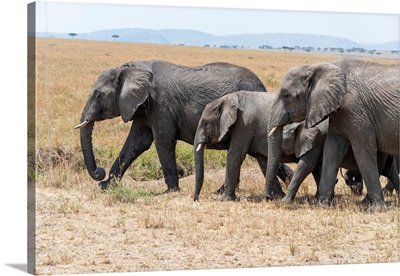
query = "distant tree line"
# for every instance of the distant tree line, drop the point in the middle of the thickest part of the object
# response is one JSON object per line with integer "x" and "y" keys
{"x": 327, "y": 49}
{"x": 265, "y": 47}
{"x": 298, "y": 48}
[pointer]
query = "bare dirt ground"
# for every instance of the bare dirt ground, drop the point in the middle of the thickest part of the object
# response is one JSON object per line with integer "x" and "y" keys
{"x": 84, "y": 230}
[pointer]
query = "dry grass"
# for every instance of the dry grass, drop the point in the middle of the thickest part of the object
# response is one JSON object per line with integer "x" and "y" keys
{"x": 136, "y": 228}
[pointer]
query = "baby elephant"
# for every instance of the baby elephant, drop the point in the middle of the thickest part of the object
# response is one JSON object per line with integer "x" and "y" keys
{"x": 241, "y": 120}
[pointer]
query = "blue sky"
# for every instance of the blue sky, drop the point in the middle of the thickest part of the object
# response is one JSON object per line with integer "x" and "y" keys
{"x": 72, "y": 16}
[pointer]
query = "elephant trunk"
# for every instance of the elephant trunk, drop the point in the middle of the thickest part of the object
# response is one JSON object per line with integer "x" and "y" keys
{"x": 86, "y": 129}
{"x": 274, "y": 155}
{"x": 199, "y": 167}
{"x": 279, "y": 118}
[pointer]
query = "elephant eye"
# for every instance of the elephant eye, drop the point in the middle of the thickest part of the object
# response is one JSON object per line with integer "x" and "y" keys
{"x": 285, "y": 96}
{"x": 97, "y": 95}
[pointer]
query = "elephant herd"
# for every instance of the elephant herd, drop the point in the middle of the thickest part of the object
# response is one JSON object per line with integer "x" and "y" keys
{"x": 325, "y": 116}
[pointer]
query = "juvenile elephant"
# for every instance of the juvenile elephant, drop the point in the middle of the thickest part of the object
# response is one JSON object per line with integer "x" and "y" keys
{"x": 354, "y": 180}
{"x": 164, "y": 101}
{"x": 361, "y": 100}
{"x": 239, "y": 121}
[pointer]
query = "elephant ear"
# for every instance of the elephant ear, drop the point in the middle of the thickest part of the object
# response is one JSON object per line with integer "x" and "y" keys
{"x": 134, "y": 86}
{"x": 306, "y": 139}
{"x": 326, "y": 89}
{"x": 227, "y": 111}
{"x": 289, "y": 137}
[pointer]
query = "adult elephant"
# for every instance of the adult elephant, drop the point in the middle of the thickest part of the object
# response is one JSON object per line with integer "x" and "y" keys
{"x": 164, "y": 101}
{"x": 238, "y": 122}
{"x": 361, "y": 100}
{"x": 308, "y": 164}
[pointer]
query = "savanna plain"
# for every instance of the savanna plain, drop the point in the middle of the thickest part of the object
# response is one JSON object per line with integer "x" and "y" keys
{"x": 134, "y": 226}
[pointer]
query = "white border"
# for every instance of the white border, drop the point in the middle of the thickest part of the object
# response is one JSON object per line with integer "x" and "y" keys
{"x": 13, "y": 113}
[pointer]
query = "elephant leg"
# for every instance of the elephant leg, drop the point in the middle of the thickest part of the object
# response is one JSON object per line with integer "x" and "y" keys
{"x": 139, "y": 140}
{"x": 221, "y": 189}
{"x": 335, "y": 149}
{"x": 366, "y": 158}
{"x": 166, "y": 153}
{"x": 388, "y": 189}
{"x": 317, "y": 177}
{"x": 305, "y": 166}
{"x": 284, "y": 172}
{"x": 353, "y": 179}
{"x": 236, "y": 155}
{"x": 277, "y": 191}
{"x": 390, "y": 171}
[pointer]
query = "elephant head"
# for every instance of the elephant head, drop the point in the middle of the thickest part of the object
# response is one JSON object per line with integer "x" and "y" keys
{"x": 217, "y": 117}
{"x": 308, "y": 92}
{"x": 116, "y": 92}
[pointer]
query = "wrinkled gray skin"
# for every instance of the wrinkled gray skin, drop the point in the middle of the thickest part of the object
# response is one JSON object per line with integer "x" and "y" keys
{"x": 164, "y": 101}
{"x": 311, "y": 161}
{"x": 240, "y": 120}
{"x": 361, "y": 100}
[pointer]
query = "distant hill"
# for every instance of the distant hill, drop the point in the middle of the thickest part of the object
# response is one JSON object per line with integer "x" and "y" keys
{"x": 196, "y": 38}
{"x": 279, "y": 40}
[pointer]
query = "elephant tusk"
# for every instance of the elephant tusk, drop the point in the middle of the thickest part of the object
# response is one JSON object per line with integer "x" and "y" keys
{"x": 200, "y": 146}
{"x": 84, "y": 123}
{"x": 272, "y": 131}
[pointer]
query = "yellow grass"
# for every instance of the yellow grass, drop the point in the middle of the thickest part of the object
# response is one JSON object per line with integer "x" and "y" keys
{"x": 82, "y": 230}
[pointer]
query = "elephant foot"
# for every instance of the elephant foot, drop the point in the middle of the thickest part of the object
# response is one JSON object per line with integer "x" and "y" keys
{"x": 172, "y": 189}
{"x": 355, "y": 186}
{"x": 287, "y": 199}
{"x": 104, "y": 185}
{"x": 378, "y": 207}
{"x": 324, "y": 204}
{"x": 220, "y": 191}
{"x": 366, "y": 201}
{"x": 226, "y": 197}
{"x": 279, "y": 195}
{"x": 326, "y": 201}
{"x": 388, "y": 190}
{"x": 275, "y": 196}
{"x": 269, "y": 197}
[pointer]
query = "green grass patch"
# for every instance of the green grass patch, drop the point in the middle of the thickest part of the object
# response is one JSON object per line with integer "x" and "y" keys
{"x": 148, "y": 166}
{"x": 270, "y": 80}
{"x": 125, "y": 194}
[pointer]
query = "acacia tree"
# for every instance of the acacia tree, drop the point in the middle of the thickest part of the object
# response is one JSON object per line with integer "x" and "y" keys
{"x": 371, "y": 52}
{"x": 72, "y": 35}
{"x": 115, "y": 37}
